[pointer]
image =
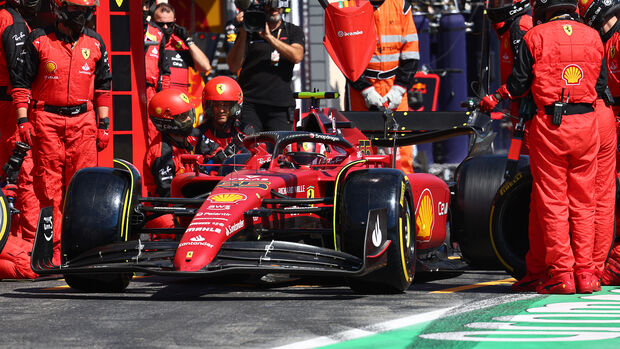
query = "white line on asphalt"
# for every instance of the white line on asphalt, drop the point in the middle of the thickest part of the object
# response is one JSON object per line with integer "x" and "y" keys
{"x": 403, "y": 322}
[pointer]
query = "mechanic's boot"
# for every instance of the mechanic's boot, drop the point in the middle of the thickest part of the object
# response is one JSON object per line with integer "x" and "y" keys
{"x": 529, "y": 282}
{"x": 560, "y": 283}
{"x": 585, "y": 281}
{"x": 611, "y": 274}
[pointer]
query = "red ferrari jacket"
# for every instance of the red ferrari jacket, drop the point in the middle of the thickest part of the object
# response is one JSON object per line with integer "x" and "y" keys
{"x": 161, "y": 163}
{"x": 58, "y": 72}
{"x": 558, "y": 55}
{"x": 13, "y": 31}
{"x": 154, "y": 57}
{"x": 510, "y": 35}
{"x": 612, "y": 56}
{"x": 179, "y": 59}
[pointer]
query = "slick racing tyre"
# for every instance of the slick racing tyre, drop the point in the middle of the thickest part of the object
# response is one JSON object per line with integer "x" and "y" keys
{"x": 388, "y": 192}
{"x": 477, "y": 181}
{"x": 97, "y": 205}
{"x": 509, "y": 222}
{"x": 5, "y": 220}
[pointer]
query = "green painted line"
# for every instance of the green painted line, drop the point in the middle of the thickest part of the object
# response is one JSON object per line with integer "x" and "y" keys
{"x": 558, "y": 321}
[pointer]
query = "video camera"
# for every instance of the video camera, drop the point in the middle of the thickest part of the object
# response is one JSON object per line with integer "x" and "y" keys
{"x": 255, "y": 15}
{"x": 14, "y": 164}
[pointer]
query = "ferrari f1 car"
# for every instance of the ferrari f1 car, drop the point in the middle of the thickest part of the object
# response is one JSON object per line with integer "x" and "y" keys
{"x": 320, "y": 203}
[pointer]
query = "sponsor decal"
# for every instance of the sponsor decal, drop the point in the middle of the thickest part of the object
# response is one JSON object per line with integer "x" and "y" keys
{"x": 208, "y": 223}
{"x": 148, "y": 37}
{"x": 197, "y": 238}
{"x": 209, "y": 219}
{"x": 50, "y": 66}
{"x": 310, "y": 192}
{"x": 342, "y": 34}
{"x": 292, "y": 190}
{"x": 572, "y": 74}
{"x": 244, "y": 184}
{"x": 165, "y": 174}
{"x": 228, "y": 198}
{"x": 48, "y": 226}
{"x": 85, "y": 53}
{"x": 119, "y": 3}
{"x": 424, "y": 216}
{"x": 208, "y": 215}
{"x": 218, "y": 207}
{"x": 203, "y": 230}
{"x": 418, "y": 87}
{"x": 568, "y": 29}
{"x": 184, "y": 98}
{"x": 196, "y": 243}
{"x": 220, "y": 88}
{"x": 442, "y": 208}
{"x": 612, "y": 51}
{"x": 509, "y": 184}
{"x": 234, "y": 228}
{"x": 154, "y": 52}
{"x": 19, "y": 37}
{"x": 364, "y": 146}
{"x": 377, "y": 234}
{"x": 189, "y": 255}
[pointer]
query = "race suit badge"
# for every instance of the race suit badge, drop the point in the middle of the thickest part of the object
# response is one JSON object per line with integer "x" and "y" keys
{"x": 568, "y": 29}
{"x": 275, "y": 57}
{"x": 85, "y": 53}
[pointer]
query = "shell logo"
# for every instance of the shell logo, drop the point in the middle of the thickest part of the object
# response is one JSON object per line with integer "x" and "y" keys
{"x": 158, "y": 110}
{"x": 572, "y": 74}
{"x": 228, "y": 198}
{"x": 50, "y": 67}
{"x": 424, "y": 216}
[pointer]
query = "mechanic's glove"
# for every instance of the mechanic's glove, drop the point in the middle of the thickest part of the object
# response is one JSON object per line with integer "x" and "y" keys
{"x": 182, "y": 33}
{"x": 10, "y": 191}
{"x": 103, "y": 134}
{"x": 393, "y": 97}
{"x": 503, "y": 92}
{"x": 488, "y": 102}
{"x": 26, "y": 130}
{"x": 372, "y": 98}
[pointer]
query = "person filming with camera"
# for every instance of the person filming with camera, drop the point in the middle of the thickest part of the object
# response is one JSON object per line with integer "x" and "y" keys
{"x": 266, "y": 50}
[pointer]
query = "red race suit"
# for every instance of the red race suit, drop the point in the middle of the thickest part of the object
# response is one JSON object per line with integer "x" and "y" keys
{"x": 561, "y": 55}
{"x": 61, "y": 79}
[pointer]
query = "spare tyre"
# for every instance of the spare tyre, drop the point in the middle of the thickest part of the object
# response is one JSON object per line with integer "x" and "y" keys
{"x": 477, "y": 181}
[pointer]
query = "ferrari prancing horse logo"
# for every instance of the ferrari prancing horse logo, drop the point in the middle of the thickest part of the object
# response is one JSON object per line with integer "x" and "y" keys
{"x": 612, "y": 51}
{"x": 220, "y": 88}
{"x": 85, "y": 53}
{"x": 568, "y": 29}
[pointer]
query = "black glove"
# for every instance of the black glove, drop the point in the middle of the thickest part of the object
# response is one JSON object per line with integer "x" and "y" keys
{"x": 182, "y": 33}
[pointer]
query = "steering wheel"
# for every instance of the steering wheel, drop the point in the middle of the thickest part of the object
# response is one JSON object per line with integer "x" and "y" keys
{"x": 305, "y": 158}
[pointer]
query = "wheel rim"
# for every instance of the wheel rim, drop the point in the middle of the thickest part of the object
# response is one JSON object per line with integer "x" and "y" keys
{"x": 407, "y": 245}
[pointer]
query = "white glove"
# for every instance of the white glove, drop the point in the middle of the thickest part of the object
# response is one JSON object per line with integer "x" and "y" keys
{"x": 371, "y": 98}
{"x": 394, "y": 97}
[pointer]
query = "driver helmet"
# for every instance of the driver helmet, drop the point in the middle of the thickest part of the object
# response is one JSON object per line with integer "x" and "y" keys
{"x": 502, "y": 10}
{"x": 222, "y": 89}
{"x": 61, "y": 12}
{"x": 306, "y": 153}
{"x": 596, "y": 12}
{"x": 172, "y": 113}
{"x": 544, "y": 9}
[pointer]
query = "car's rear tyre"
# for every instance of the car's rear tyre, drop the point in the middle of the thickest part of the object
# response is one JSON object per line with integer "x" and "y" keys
{"x": 478, "y": 179}
{"x": 366, "y": 190}
{"x": 97, "y": 206}
{"x": 509, "y": 222}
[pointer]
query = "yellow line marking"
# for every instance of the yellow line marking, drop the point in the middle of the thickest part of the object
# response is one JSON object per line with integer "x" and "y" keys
{"x": 507, "y": 281}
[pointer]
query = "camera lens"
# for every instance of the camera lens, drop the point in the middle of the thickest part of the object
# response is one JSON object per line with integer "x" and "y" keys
{"x": 254, "y": 21}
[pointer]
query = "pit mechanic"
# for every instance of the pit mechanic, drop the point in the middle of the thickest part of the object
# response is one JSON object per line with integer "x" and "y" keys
{"x": 156, "y": 64}
{"x": 222, "y": 130}
{"x": 389, "y": 74}
{"x": 173, "y": 115}
{"x": 561, "y": 61}
{"x": 15, "y": 258}
{"x": 65, "y": 80}
{"x": 601, "y": 15}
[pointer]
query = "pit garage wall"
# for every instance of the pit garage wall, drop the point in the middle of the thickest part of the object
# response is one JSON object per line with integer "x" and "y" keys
{"x": 119, "y": 22}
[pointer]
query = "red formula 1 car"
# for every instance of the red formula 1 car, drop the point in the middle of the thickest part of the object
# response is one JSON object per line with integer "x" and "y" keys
{"x": 321, "y": 203}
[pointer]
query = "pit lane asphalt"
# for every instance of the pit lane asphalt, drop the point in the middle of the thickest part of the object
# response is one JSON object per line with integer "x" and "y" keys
{"x": 163, "y": 312}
